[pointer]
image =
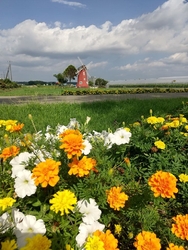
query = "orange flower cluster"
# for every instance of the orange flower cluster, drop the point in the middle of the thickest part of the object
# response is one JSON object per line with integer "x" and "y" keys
{"x": 9, "y": 152}
{"x": 174, "y": 247}
{"x": 72, "y": 142}
{"x": 147, "y": 241}
{"x": 110, "y": 242}
{"x": 81, "y": 167}
{"x": 116, "y": 198}
{"x": 46, "y": 173}
{"x": 180, "y": 228}
{"x": 163, "y": 184}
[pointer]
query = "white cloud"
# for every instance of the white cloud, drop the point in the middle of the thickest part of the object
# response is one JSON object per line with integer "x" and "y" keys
{"x": 161, "y": 37}
{"x": 74, "y": 4}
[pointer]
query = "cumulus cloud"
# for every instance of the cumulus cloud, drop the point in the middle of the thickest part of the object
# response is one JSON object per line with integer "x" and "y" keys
{"x": 153, "y": 41}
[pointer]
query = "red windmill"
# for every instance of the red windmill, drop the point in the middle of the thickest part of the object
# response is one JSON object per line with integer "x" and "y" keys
{"x": 82, "y": 76}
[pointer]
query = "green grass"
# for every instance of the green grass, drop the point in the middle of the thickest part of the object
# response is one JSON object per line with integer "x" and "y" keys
{"x": 104, "y": 115}
{"x": 32, "y": 91}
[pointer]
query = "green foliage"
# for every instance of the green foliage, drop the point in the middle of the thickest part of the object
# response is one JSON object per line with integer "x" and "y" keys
{"x": 60, "y": 78}
{"x": 100, "y": 82}
{"x": 70, "y": 72}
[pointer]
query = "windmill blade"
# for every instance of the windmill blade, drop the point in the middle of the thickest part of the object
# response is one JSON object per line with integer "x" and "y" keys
{"x": 80, "y": 60}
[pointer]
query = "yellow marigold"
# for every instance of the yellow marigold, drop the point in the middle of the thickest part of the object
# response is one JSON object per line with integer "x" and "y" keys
{"x": 163, "y": 184}
{"x": 8, "y": 245}
{"x": 68, "y": 247}
{"x": 116, "y": 198}
{"x": 174, "y": 247}
{"x": 152, "y": 120}
{"x": 186, "y": 127}
{"x": 160, "y": 144}
{"x": 160, "y": 119}
{"x": 72, "y": 143}
{"x": 183, "y": 177}
{"x": 63, "y": 202}
{"x": 16, "y": 127}
{"x": 174, "y": 124}
{"x": 9, "y": 123}
{"x": 81, "y": 167}
{"x": 6, "y": 202}
{"x": 37, "y": 242}
{"x": 147, "y": 241}
{"x": 180, "y": 228}
{"x": 94, "y": 243}
{"x": 46, "y": 173}
{"x": 110, "y": 242}
{"x": 9, "y": 152}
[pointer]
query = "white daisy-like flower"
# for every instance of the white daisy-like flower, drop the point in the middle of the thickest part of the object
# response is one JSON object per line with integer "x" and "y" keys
{"x": 90, "y": 210}
{"x": 87, "y": 148}
{"x": 19, "y": 162}
{"x": 27, "y": 228}
{"x": 24, "y": 184}
{"x": 85, "y": 230}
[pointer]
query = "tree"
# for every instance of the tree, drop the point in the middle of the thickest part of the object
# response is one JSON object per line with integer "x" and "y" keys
{"x": 100, "y": 82}
{"x": 60, "y": 78}
{"x": 70, "y": 72}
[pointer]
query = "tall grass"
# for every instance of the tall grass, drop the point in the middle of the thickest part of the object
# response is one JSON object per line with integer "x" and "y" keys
{"x": 104, "y": 115}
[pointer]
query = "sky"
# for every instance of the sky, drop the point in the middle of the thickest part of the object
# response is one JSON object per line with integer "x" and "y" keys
{"x": 115, "y": 39}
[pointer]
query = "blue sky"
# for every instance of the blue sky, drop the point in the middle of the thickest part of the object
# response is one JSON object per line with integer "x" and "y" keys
{"x": 116, "y": 39}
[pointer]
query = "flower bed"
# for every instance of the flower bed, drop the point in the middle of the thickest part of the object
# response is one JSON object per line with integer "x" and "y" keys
{"x": 70, "y": 188}
{"x": 103, "y": 91}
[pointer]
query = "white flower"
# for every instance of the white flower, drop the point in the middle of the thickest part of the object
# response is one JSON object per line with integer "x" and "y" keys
{"x": 5, "y": 222}
{"x": 41, "y": 155}
{"x": 61, "y": 129}
{"x": 73, "y": 124}
{"x": 19, "y": 162}
{"x": 85, "y": 230}
{"x": 24, "y": 184}
{"x": 122, "y": 136}
{"x": 17, "y": 216}
{"x": 90, "y": 211}
{"x": 87, "y": 148}
{"x": 27, "y": 228}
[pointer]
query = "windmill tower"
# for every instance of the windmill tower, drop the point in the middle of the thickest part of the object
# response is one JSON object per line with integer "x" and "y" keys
{"x": 82, "y": 76}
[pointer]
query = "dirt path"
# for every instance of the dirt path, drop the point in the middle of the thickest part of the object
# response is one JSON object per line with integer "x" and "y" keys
{"x": 86, "y": 98}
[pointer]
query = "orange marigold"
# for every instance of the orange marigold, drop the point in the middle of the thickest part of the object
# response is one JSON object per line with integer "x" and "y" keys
{"x": 72, "y": 143}
{"x": 116, "y": 198}
{"x": 163, "y": 184}
{"x": 174, "y": 247}
{"x": 147, "y": 241}
{"x": 9, "y": 152}
{"x": 81, "y": 167}
{"x": 110, "y": 242}
{"x": 46, "y": 173}
{"x": 180, "y": 228}
{"x": 16, "y": 127}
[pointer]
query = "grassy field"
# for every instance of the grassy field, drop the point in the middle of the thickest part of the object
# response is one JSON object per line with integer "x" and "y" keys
{"x": 104, "y": 115}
